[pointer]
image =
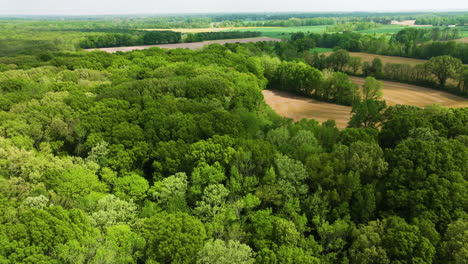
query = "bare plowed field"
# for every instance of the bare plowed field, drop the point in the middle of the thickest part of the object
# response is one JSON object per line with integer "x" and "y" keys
{"x": 401, "y": 93}
{"x": 298, "y": 107}
{"x": 192, "y": 45}
{"x": 385, "y": 59}
{"x": 462, "y": 40}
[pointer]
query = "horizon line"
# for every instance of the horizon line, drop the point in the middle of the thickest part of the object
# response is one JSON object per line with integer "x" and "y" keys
{"x": 237, "y": 12}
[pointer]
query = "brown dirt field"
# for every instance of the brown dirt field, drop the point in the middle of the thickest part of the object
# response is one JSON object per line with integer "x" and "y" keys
{"x": 385, "y": 59}
{"x": 462, "y": 40}
{"x": 298, "y": 107}
{"x": 401, "y": 93}
{"x": 200, "y": 30}
{"x": 192, "y": 45}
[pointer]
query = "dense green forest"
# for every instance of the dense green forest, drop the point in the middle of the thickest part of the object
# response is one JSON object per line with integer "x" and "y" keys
{"x": 172, "y": 156}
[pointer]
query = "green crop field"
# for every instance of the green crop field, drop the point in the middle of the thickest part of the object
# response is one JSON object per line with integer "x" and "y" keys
{"x": 387, "y": 29}
{"x": 321, "y": 50}
{"x": 284, "y": 32}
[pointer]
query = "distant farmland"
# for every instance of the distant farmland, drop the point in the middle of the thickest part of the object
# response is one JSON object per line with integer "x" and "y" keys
{"x": 401, "y": 93}
{"x": 385, "y": 59}
{"x": 298, "y": 107}
{"x": 201, "y": 30}
{"x": 284, "y": 32}
{"x": 273, "y": 32}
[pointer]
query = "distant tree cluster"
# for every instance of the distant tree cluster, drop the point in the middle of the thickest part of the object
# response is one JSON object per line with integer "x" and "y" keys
{"x": 130, "y": 39}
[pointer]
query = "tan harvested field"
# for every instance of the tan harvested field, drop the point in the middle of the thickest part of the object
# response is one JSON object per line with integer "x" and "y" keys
{"x": 200, "y": 30}
{"x": 192, "y": 45}
{"x": 401, "y": 93}
{"x": 385, "y": 59}
{"x": 298, "y": 107}
{"x": 462, "y": 40}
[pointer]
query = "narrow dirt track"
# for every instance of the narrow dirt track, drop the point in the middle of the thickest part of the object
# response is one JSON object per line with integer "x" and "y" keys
{"x": 298, "y": 107}
{"x": 191, "y": 45}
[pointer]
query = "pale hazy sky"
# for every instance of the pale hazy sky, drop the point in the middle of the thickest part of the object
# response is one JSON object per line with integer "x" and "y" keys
{"x": 94, "y": 7}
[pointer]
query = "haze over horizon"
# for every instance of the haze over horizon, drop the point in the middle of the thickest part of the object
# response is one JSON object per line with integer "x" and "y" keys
{"x": 120, "y": 7}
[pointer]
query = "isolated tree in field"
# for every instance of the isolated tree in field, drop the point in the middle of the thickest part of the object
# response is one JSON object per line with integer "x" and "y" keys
{"x": 372, "y": 89}
{"x": 444, "y": 67}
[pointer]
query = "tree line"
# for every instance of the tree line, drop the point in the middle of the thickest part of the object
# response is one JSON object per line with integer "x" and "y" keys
{"x": 202, "y": 36}
{"x": 406, "y": 43}
{"x": 157, "y": 37}
{"x": 434, "y": 73}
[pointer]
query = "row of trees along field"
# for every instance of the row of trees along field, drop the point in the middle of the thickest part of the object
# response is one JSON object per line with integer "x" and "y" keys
{"x": 409, "y": 42}
{"x": 441, "y": 72}
{"x": 172, "y": 156}
{"x": 133, "y": 38}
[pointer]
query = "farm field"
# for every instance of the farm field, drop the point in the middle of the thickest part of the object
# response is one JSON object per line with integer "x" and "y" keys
{"x": 401, "y": 93}
{"x": 385, "y": 59}
{"x": 274, "y": 32}
{"x": 284, "y": 32}
{"x": 201, "y": 30}
{"x": 321, "y": 50}
{"x": 386, "y": 29}
{"x": 190, "y": 45}
{"x": 298, "y": 107}
{"x": 462, "y": 40}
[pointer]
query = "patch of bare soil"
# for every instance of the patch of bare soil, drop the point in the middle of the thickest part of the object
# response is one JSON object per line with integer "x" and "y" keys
{"x": 298, "y": 107}
{"x": 401, "y": 93}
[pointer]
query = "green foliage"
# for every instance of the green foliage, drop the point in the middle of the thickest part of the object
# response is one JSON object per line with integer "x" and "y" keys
{"x": 172, "y": 156}
{"x": 230, "y": 252}
{"x": 444, "y": 67}
{"x": 367, "y": 114}
{"x": 372, "y": 89}
{"x": 173, "y": 238}
{"x": 36, "y": 234}
{"x": 131, "y": 187}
